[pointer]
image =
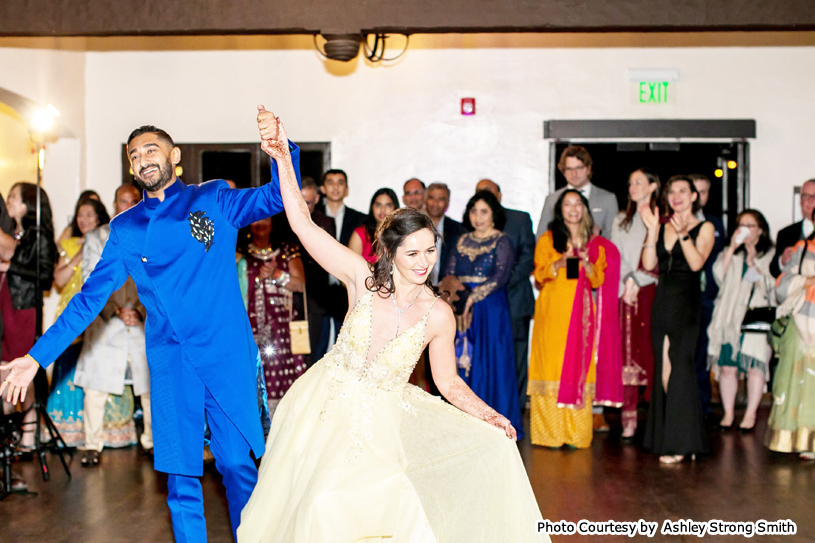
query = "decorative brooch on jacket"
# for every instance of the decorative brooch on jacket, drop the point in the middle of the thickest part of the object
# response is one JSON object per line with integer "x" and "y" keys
{"x": 202, "y": 228}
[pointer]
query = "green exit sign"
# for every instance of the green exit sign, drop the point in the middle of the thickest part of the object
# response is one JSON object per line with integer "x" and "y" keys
{"x": 653, "y": 85}
{"x": 654, "y": 92}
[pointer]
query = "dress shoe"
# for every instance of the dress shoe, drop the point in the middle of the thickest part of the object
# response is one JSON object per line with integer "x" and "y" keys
{"x": 90, "y": 459}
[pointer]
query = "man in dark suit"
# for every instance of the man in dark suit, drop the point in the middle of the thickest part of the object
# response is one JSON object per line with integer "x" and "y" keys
{"x": 317, "y": 288}
{"x": 334, "y": 188}
{"x": 521, "y": 298}
{"x": 792, "y": 234}
{"x": 438, "y": 200}
{"x": 702, "y": 184}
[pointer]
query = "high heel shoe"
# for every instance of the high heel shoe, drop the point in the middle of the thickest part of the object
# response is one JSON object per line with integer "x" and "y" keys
{"x": 726, "y": 428}
{"x": 676, "y": 458}
{"x": 743, "y": 430}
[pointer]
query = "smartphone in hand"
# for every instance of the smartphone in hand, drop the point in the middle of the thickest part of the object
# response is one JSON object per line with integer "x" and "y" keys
{"x": 572, "y": 267}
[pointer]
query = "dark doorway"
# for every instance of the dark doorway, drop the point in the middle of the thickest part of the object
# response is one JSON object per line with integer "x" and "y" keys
{"x": 723, "y": 163}
{"x": 244, "y": 163}
{"x": 234, "y": 165}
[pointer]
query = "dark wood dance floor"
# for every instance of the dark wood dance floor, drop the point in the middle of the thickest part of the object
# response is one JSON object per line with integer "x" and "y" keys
{"x": 124, "y": 499}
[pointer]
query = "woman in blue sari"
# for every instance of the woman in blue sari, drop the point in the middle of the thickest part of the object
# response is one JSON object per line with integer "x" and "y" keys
{"x": 481, "y": 264}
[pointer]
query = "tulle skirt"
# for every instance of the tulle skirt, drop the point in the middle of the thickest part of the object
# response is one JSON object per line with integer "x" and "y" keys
{"x": 346, "y": 461}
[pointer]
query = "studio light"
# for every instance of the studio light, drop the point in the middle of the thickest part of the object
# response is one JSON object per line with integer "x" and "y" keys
{"x": 42, "y": 120}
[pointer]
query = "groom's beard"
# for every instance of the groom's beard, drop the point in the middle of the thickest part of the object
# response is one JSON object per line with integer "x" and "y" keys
{"x": 158, "y": 182}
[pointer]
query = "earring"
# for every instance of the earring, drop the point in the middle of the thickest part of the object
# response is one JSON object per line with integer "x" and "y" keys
{"x": 393, "y": 268}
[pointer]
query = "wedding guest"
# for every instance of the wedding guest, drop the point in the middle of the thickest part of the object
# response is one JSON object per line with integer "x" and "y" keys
{"x": 788, "y": 237}
{"x": 414, "y": 194}
{"x": 482, "y": 262}
{"x": 18, "y": 291}
{"x": 575, "y": 164}
{"x": 678, "y": 248}
{"x": 637, "y": 289}
{"x": 316, "y": 292}
{"x": 438, "y": 200}
{"x": 113, "y": 351}
{"x": 792, "y": 417}
{"x": 709, "y": 290}
{"x": 521, "y": 298}
{"x": 66, "y": 401}
{"x": 562, "y": 365}
{"x": 84, "y": 196}
{"x": 271, "y": 273}
{"x": 334, "y": 188}
{"x": 742, "y": 272}
{"x": 383, "y": 202}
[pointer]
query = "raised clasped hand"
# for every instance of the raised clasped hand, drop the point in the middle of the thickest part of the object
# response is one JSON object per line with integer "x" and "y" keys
{"x": 274, "y": 140}
{"x": 15, "y": 385}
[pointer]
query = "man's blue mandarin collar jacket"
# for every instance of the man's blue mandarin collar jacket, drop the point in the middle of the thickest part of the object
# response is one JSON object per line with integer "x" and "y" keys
{"x": 181, "y": 254}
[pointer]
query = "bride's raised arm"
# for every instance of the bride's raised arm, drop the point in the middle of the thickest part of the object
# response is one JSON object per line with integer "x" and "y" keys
{"x": 334, "y": 257}
{"x": 445, "y": 374}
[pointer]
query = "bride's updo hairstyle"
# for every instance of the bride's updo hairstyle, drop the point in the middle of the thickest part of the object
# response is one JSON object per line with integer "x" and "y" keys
{"x": 389, "y": 236}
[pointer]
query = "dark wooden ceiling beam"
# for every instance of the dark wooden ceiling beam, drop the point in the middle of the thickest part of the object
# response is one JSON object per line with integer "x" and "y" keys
{"x": 211, "y": 17}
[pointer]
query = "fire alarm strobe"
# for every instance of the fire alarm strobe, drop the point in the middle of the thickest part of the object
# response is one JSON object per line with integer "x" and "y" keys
{"x": 468, "y": 106}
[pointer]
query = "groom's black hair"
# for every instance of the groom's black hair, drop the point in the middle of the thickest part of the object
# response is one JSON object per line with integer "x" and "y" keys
{"x": 150, "y": 129}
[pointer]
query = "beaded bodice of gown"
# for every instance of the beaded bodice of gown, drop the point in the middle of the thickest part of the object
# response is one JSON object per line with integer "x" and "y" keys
{"x": 388, "y": 369}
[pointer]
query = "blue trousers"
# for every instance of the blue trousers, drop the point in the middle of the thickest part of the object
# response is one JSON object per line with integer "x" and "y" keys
{"x": 232, "y": 459}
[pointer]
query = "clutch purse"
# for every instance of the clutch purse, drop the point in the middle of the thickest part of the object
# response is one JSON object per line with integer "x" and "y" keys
{"x": 300, "y": 343}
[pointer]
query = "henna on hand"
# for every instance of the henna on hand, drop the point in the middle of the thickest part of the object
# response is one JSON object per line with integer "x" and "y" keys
{"x": 465, "y": 399}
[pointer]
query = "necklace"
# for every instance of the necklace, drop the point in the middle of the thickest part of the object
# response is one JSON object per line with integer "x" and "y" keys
{"x": 401, "y": 311}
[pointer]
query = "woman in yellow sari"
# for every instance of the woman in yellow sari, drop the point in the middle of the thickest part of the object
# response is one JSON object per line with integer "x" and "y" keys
{"x": 66, "y": 401}
{"x": 556, "y": 419}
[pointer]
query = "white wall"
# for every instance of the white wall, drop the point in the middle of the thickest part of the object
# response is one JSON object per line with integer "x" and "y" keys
{"x": 387, "y": 124}
{"x": 54, "y": 77}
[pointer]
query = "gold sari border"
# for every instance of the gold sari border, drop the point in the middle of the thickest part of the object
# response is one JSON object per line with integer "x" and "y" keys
{"x": 790, "y": 441}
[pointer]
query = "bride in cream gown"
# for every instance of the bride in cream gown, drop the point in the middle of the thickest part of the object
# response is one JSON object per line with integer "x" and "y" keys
{"x": 356, "y": 453}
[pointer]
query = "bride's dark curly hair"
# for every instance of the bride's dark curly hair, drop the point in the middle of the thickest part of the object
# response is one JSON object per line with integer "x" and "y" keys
{"x": 389, "y": 236}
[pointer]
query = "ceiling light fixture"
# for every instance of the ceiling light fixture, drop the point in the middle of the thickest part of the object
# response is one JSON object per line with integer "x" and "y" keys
{"x": 345, "y": 47}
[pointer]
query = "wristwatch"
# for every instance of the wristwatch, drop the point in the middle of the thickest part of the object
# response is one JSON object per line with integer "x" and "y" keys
{"x": 686, "y": 237}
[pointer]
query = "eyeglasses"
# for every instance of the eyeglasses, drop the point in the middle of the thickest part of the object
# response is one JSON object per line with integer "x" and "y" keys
{"x": 574, "y": 170}
{"x": 806, "y": 197}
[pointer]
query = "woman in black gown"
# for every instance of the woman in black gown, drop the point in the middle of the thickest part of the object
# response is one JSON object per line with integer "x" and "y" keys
{"x": 679, "y": 247}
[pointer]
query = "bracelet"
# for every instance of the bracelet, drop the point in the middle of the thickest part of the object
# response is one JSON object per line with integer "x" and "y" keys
{"x": 32, "y": 358}
{"x": 650, "y": 246}
{"x": 282, "y": 279}
{"x": 686, "y": 238}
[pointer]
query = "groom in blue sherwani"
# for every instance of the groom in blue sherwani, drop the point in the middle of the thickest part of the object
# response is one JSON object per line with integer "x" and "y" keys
{"x": 178, "y": 245}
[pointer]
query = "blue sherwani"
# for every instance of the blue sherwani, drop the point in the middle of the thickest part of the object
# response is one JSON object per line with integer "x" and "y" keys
{"x": 181, "y": 254}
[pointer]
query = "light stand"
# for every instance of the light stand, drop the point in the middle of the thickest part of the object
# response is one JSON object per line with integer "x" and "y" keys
{"x": 43, "y": 121}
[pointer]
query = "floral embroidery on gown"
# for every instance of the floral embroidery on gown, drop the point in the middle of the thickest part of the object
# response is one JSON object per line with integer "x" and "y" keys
{"x": 356, "y": 453}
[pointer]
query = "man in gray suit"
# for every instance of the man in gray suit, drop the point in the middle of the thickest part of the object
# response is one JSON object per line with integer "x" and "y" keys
{"x": 521, "y": 298}
{"x": 575, "y": 165}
